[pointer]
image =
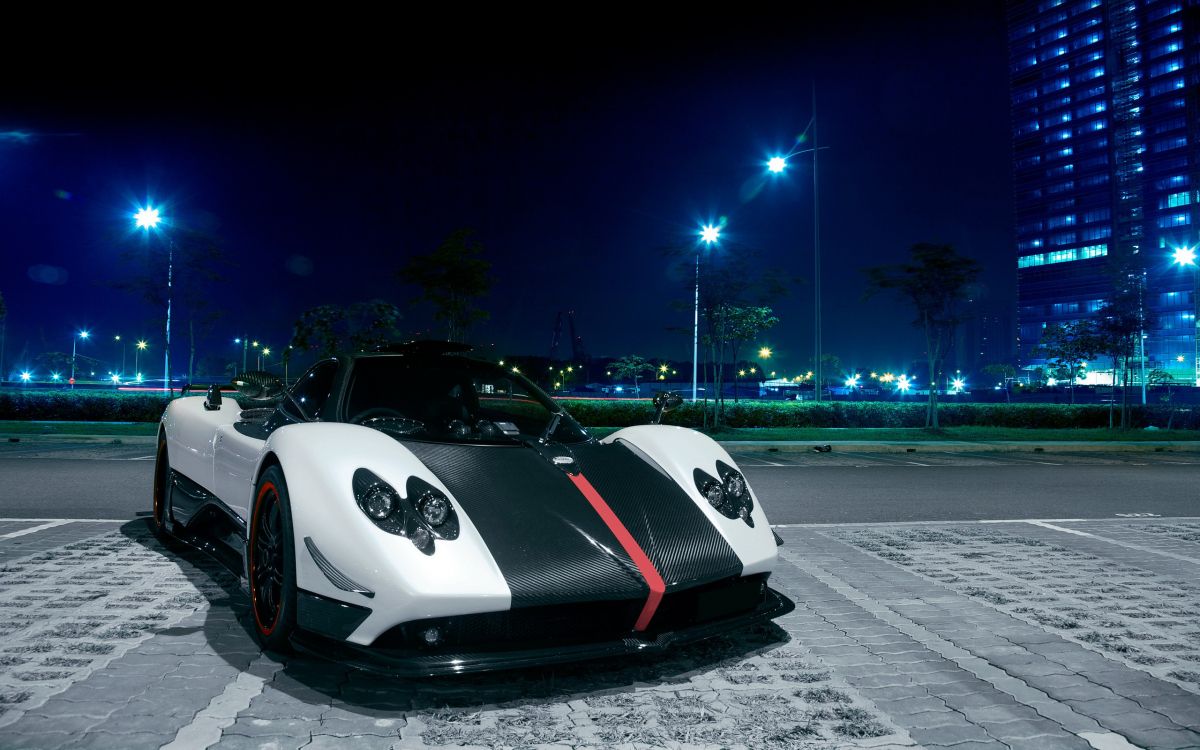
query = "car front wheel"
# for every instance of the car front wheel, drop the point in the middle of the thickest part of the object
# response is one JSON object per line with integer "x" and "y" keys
{"x": 272, "y": 564}
{"x": 162, "y": 479}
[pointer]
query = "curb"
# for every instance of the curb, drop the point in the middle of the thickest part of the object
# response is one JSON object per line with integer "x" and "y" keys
{"x": 787, "y": 446}
{"x": 960, "y": 446}
{"x": 90, "y": 439}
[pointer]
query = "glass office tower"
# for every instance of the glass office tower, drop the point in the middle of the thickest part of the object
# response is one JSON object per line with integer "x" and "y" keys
{"x": 1106, "y": 164}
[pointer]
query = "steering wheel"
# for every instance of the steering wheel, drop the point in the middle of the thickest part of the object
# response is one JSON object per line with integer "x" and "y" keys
{"x": 376, "y": 412}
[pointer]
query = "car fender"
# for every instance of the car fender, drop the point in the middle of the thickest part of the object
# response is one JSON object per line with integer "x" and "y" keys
{"x": 318, "y": 462}
{"x": 678, "y": 452}
{"x": 190, "y": 430}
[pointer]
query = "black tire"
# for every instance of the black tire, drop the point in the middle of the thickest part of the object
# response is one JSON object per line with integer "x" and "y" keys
{"x": 162, "y": 501}
{"x": 271, "y": 566}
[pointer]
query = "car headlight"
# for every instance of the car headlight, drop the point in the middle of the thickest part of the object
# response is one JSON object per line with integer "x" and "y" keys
{"x": 434, "y": 508}
{"x": 735, "y": 484}
{"x": 379, "y": 502}
{"x": 714, "y": 493}
{"x": 729, "y": 495}
{"x": 423, "y": 514}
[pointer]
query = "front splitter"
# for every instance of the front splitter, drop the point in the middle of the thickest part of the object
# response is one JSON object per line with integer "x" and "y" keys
{"x": 414, "y": 663}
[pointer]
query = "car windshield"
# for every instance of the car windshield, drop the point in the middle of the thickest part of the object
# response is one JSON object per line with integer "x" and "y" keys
{"x": 453, "y": 399}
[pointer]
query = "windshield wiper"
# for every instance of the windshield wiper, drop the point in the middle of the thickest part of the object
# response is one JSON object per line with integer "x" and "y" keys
{"x": 555, "y": 418}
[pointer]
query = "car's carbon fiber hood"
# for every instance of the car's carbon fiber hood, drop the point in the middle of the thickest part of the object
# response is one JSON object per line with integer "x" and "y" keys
{"x": 676, "y": 535}
{"x": 551, "y": 545}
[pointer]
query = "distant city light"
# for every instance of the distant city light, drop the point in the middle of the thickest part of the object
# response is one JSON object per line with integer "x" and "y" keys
{"x": 146, "y": 218}
{"x": 777, "y": 164}
{"x": 958, "y": 384}
{"x": 141, "y": 345}
{"x": 55, "y": 376}
{"x": 852, "y": 381}
{"x": 25, "y": 376}
{"x": 765, "y": 352}
{"x": 116, "y": 378}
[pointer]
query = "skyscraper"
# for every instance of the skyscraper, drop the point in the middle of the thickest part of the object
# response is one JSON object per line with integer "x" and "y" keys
{"x": 1106, "y": 150}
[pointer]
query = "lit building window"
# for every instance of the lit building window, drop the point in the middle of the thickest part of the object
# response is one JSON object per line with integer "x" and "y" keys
{"x": 1175, "y": 200}
{"x": 1174, "y": 220}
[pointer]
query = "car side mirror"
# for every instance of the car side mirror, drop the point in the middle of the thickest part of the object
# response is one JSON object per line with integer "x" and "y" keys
{"x": 665, "y": 401}
{"x": 212, "y": 402}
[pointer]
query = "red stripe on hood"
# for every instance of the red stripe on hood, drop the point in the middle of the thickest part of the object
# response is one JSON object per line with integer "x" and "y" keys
{"x": 631, "y": 547}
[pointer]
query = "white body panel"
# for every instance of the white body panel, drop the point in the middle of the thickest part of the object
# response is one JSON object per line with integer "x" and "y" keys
{"x": 679, "y": 452}
{"x": 190, "y": 430}
{"x": 319, "y": 461}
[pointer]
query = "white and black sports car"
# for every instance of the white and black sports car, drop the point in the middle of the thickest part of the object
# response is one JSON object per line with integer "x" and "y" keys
{"x": 419, "y": 512}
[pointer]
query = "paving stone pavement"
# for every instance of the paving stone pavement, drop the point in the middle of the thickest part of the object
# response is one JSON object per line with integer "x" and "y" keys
{"x": 940, "y": 635}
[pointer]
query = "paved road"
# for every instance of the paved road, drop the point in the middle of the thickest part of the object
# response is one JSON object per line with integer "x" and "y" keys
{"x": 1072, "y": 635}
{"x": 113, "y": 481}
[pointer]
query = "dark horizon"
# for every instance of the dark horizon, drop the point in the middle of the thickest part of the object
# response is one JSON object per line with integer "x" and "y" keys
{"x": 574, "y": 165}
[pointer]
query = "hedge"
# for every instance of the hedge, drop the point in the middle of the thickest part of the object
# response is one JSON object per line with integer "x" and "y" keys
{"x": 110, "y": 406}
{"x": 877, "y": 414}
{"x": 82, "y": 406}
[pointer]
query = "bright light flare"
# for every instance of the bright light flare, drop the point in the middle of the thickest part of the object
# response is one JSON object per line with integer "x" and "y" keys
{"x": 55, "y": 376}
{"x": 25, "y": 376}
{"x": 141, "y": 345}
{"x": 115, "y": 378}
{"x": 852, "y": 381}
{"x": 1185, "y": 256}
{"x": 777, "y": 164}
{"x": 959, "y": 384}
{"x": 146, "y": 218}
{"x": 84, "y": 334}
{"x": 710, "y": 233}
{"x": 765, "y": 352}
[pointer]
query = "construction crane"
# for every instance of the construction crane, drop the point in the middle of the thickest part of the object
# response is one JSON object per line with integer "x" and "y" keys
{"x": 578, "y": 354}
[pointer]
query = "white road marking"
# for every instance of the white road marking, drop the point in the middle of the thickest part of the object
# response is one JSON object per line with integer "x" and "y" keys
{"x": 33, "y": 529}
{"x": 1126, "y": 545}
{"x": 205, "y": 730}
{"x": 67, "y": 520}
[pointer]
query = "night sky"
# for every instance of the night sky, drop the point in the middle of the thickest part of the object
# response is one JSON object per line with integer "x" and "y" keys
{"x": 575, "y": 158}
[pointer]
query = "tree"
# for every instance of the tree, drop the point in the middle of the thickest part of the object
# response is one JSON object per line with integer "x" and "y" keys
{"x": 746, "y": 323}
{"x": 936, "y": 282}
{"x": 451, "y": 279}
{"x": 631, "y": 366}
{"x": 1069, "y": 345}
{"x": 198, "y": 262}
{"x": 1119, "y": 328}
{"x": 328, "y": 329}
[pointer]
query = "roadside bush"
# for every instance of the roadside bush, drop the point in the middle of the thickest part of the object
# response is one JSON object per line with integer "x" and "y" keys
{"x": 81, "y": 406}
{"x": 748, "y": 414}
{"x": 114, "y": 406}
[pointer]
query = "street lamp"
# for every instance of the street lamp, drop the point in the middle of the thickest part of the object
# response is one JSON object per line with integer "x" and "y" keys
{"x": 74, "y": 341}
{"x": 141, "y": 346}
{"x": 1186, "y": 256}
{"x": 776, "y": 165}
{"x": 710, "y": 234}
{"x": 117, "y": 338}
{"x": 148, "y": 219}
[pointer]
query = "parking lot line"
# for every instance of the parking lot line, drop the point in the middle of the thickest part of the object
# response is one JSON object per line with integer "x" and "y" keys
{"x": 32, "y": 529}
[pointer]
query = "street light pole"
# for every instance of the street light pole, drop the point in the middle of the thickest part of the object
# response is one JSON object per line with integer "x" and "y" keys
{"x": 74, "y": 341}
{"x": 776, "y": 165}
{"x": 1186, "y": 256}
{"x": 709, "y": 234}
{"x": 148, "y": 218}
